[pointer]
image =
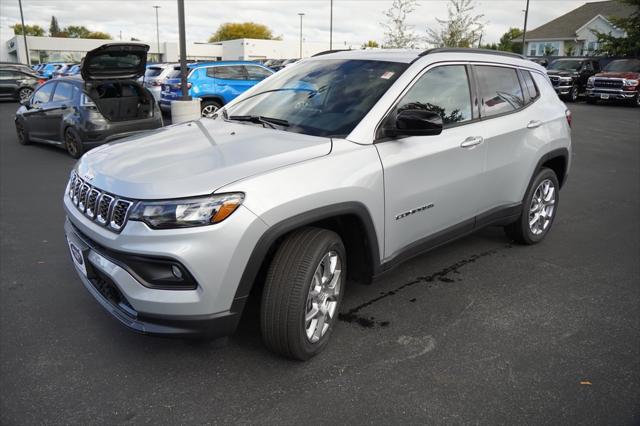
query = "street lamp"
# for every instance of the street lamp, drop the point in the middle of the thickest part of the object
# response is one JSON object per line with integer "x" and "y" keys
{"x": 157, "y": 31}
{"x": 301, "y": 15}
{"x": 331, "y": 25}
{"x": 524, "y": 32}
{"x": 24, "y": 34}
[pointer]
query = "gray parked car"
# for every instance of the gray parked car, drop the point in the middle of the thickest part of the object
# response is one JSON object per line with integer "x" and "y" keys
{"x": 103, "y": 104}
{"x": 17, "y": 83}
{"x": 156, "y": 75}
{"x": 332, "y": 171}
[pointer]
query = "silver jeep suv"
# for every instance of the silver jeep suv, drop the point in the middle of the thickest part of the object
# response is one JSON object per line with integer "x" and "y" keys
{"x": 328, "y": 172}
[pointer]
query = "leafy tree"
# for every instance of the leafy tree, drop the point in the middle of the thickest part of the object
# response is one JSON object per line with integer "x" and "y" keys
{"x": 370, "y": 43}
{"x": 398, "y": 34}
{"x": 461, "y": 29}
{"x": 511, "y": 41}
{"x": 54, "y": 28}
{"x": 99, "y": 35}
{"x": 77, "y": 31}
{"x": 549, "y": 50}
{"x": 30, "y": 30}
{"x": 236, "y": 30}
{"x": 623, "y": 46}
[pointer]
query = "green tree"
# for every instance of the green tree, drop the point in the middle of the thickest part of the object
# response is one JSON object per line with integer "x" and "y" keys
{"x": 511, "y": 41}
{"x": 398, "y": 34}
{"x": 99, "y": 35}
{"x": 236, "y": 30}
{"x": 54, "y": 28}
{"x": 622, "y": 46}
{"x": 462, "y": 28}
{"x": 30, "y": 30}
{"x": 370, "y": 43}
{"x": 77, "y": 31}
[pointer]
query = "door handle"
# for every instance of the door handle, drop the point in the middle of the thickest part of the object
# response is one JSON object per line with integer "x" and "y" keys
{"x": 533, "y": 124}
{"x": 472, "y": 141}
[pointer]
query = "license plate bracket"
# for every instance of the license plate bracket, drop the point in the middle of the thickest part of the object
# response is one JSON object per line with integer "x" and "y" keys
{"x": 79, "y": 255}
{"x": 604, "y": 96}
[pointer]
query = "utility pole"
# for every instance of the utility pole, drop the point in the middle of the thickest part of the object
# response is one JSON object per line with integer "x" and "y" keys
{"x": 524, "y": 32}
{"x": 331, "y": 26}
{"x": 183, "y": 52}
{"x": 301, "y": 15}
{"x": 24, "y": 34}
{"x": 158, "y": 31}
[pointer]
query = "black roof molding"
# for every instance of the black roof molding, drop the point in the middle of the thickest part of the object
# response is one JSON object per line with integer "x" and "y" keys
{"x": 471, "y": 50}
{"x": 326, "y": 52}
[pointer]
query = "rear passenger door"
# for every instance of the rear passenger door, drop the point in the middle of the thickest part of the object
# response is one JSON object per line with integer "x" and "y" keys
{"x": 231, "y": 81}
{"x": 513, "y": 130}
{"x": 432, "y": 183}
{"x": 60, "y": 104}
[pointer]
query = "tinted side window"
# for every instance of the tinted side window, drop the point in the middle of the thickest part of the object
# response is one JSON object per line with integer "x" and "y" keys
{"x": 257, "y": 73}
{"x": 229, "y": 73}
{"x": 43, "y": 94}
{"x": 499, "y": 89}
{"x": 530, "y": 86}
{"x": 444, "y": 90}
{"x": 64, "y": 92}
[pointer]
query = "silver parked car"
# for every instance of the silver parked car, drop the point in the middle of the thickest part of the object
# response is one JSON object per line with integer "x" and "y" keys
{"x": 330, "y": 171}
{"x": 155, "y": 76}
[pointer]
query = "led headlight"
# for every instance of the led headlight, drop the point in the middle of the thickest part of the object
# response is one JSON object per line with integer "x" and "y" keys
{"x": 186, "y": 212}
{"x": 626, "y": 82}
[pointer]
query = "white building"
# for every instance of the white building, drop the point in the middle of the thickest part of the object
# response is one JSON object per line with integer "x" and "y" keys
{"x": 54, "y": 49}
{"x": 572, "y": 33}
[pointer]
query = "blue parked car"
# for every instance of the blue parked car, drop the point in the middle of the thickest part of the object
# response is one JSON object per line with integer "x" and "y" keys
{"x": 48, "y": 70}
{"x": 216, "y": 83}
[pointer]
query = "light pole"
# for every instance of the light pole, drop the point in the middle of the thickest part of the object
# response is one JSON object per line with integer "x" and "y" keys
{"x": 24, "y": 34}
{"x": 331, "y": 26}
{"x": 524, "y": 32}
{"x": 183, "y": 52}
{"x": 301, "y": 15}
{"x": 157, "y": 31}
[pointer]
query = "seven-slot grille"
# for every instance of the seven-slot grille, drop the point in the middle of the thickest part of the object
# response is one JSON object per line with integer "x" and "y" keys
{"x": 106, "y": 209}
{"x": 608, "y": 83}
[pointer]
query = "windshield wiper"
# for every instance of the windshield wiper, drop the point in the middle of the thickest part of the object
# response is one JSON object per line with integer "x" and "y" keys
{"x": 259, "y": 119}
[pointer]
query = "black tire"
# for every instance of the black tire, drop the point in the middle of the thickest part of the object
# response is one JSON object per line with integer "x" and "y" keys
{"x": 22, "y": 133}
{"x": 73, "y": 143}
{"x": 209, "y": 107}
{"x": 574, "y": 94}
{"x": 24, "y": 93}
{"x": 592, "y": 101}
{"x": 520, "y": 231}
{"x": 635, "y": 102}
{"x": 286, "y": 295}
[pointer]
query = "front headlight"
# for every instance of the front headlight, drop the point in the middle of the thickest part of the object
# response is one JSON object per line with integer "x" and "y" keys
{"x": 187, "y": 212}
{"x": 626, "y": 82}
{"x": 591, "y": 80}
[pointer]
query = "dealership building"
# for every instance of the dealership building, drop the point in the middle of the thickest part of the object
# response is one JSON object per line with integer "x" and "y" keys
{"x": 55, "y": 49}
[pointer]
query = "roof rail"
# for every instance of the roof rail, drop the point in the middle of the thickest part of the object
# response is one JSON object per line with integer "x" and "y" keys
{"x": 326, "y": 52}
{"x": 470, "y": 50}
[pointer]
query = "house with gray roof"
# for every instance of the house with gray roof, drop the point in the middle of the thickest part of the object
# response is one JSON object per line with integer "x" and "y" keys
{"x": 572, "y": 33}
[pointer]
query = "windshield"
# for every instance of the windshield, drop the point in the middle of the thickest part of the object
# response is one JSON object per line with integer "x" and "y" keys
{"x": 564, "y": 65}
{"x": 320, "y": 97}
{"x": 624, "y": 65}
{"x": 153, "y": 72}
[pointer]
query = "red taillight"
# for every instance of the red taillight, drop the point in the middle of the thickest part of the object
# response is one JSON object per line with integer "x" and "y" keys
{"x": 567, "y": 114}
{"x": 41, "y": 81}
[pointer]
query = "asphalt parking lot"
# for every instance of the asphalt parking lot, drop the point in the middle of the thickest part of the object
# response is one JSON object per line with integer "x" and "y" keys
{"x": 477, "y": 332}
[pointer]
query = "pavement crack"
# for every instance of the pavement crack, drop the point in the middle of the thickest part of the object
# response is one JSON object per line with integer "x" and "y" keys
{"x": 354, "y": 316}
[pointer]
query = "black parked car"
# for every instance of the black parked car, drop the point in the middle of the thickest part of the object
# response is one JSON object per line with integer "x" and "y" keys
{"x": 17, "y": 84}
{"x": 569, "y": 76}
{"x": 104, "y": 104}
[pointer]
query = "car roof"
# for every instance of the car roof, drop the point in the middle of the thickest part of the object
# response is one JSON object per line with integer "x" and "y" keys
{"x": 221, "y": 63}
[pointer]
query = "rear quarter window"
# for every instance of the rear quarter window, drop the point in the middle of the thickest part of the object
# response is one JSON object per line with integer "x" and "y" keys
{"x": 236, "y": 72}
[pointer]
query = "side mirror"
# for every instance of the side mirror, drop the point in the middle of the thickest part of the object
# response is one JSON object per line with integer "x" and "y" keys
{"x": 416, "y": 122}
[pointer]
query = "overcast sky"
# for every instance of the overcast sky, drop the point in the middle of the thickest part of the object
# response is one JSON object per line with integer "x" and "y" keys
{"x": 354, "y": 21}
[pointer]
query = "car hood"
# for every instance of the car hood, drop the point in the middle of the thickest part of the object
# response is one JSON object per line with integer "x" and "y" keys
{"x": 194, "y": 158}
{"x": 629, "y": 75}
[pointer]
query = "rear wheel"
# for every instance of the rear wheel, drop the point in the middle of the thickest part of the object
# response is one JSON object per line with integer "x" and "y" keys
{"x": 209, "y": 108}
{"x": 24, "y": 93}
{"x": 573, "y": 94}
{"x": 21, "y": 132}
{"x": 73, "y": 143}
{"x": 538, "y": 209}
{"x": 302, "y": 294}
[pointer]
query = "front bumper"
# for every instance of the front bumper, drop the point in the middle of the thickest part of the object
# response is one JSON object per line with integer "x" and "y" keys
{"x": 610, "y": 94}
{"x": 216, "y": 256}
{"x": 562, "y": 90}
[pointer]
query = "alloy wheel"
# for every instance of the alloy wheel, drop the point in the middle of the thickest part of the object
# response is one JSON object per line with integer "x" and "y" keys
{"x": 574, "y": 93}
{"x": 25, "y": 93}
{"x": 209, "y": 110}
{"x": 70, "y": 143}
{"x": 542, "y": 207}
{"x": 323, "y": 296}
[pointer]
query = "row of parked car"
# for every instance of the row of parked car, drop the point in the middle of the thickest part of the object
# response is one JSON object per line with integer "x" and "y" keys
{"x": 573, "y": 78}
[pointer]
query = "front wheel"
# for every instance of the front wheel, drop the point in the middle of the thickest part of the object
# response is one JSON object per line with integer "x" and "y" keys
{"x": 73, "y": 143}
{"x": 21, "y": 132}
{"x": 302, "y": 293}
{"x": 209, "y": 108}
{"x": 538, "y": 209}
{"x": 24, "y": 93}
